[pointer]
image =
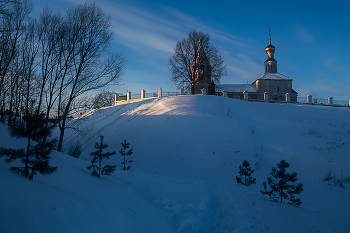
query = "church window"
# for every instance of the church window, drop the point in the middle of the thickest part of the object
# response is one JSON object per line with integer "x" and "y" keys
{"x": 278, "y": 89}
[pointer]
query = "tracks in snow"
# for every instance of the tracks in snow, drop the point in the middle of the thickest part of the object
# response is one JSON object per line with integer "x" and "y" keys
{"x": 234, "y": 212}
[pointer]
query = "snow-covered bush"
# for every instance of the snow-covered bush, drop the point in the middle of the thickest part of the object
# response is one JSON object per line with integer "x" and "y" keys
{"x": 329, "y": 176}
{"x": 75, "y": 150}
{"x": 336, "y": 180}
{"x": 253, "y": 130}
{"x": 312, "y": 132}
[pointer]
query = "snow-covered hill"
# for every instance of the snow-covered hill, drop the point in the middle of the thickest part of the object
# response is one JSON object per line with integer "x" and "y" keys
{"x": 187, "y": 150}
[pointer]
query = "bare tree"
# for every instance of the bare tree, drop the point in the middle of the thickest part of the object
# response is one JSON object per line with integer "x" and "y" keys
{"x": 91, "y": 67}
{"x": 27, "y": 62}
{"x": 53, "y": 47}
{"x": 103, "y": 99}
{"x": 54, "y": 62}
{"x": 12, "y": 25}
{"x": 185, "y": 53}
{"x": 49, "y": 33}
{"x": 4, "y": 7}
{"x": 12, "y": 84}
{"x": 14, "y": 89}
{"x": 29, "y": 53}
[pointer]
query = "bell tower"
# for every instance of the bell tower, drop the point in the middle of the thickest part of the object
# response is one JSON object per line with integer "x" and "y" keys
{"x": 201, "y": 72}
{"x": 270, "y": 63}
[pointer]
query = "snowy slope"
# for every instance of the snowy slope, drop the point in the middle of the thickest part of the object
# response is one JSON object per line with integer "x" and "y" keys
{"x": 187, "y": 150}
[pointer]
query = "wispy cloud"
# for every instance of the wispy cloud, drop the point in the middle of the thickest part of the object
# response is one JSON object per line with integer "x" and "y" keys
{"x": 241, "y": 67}
{"x": 327, "y": 86}
{"x": 303, "y": 35}
{"x": 187, "y": 22}
{"x": 157, "y": 29}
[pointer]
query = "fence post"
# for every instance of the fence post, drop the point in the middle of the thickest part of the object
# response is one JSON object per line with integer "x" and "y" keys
{"x": 245, "y": 95}
{"x": 204, "y": 91}
{"x": 330, "y": 100}
{"x": 309, "y": 98}
{"x": 182, "y": 91}
{"x": 224, "y": 93}
{"x": 266, "y": 96}
{"x": 115, "y": 99}
{"x": 128, "y": 96}
{"x": 159, "y": 92}
{"x": 143, "y": 93}
{"x": 287, "y": 97}
{"x": 349, "y": 103}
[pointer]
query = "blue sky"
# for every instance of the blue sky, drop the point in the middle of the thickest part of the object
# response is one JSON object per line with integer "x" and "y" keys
{"x": 312, "y": 39}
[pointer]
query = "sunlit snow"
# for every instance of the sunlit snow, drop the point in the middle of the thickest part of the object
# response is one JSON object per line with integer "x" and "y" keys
{"x": 187, "y": 150}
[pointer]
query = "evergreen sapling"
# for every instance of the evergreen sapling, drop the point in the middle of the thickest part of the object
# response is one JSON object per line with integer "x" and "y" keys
{"x": 35, "y": 158}
{"x": 246, "y": 172}
{"x": 98, "y": 170}
{"x": 125, "y": 146}
{"x": 282, "y": 185}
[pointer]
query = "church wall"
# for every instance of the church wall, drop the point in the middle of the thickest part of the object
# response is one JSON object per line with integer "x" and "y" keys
{"x": 275, "y": 88}
{"x": 294, "y": 97}
{"x": 239, "y": 95}
{"x": 198, "y": 88}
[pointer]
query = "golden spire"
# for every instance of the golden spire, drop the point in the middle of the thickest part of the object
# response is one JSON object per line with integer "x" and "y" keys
{"x": 270, "y": 48}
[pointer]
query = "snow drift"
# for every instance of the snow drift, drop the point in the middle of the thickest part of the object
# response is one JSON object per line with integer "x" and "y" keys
{"x": 187, "y": 150}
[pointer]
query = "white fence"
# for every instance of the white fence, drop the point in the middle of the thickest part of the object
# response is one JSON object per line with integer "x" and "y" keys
{"x": 143, "y": 95}
{"x": 324, "y": 101}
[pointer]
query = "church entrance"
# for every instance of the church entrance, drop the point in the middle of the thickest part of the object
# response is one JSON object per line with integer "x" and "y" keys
{"x": 275, "y": 97}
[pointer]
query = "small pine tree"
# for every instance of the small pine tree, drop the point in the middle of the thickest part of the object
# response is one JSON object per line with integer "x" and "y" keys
{"x": 35, "y": 159}
{"x": 126, "y": 145}
{"x": 282, "y": 185}
{"x": 98, "y": 157}
{"x": 246, "y": 171}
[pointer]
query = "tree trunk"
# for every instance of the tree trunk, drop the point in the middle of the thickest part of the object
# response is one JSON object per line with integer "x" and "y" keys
{"x": 26, "y": 166}
{"x": 46, "y": 124}
{"x": 41, "y": 96}
{"x": 124, "y": 156}
{"x": 100, "y": 157}
{"x": 192, "y": 89}
{"x": 281, "y": 195}
{"x": 60, "y": 140}
{"x": 3, "y": 112}
{"x": 99, "y": 168}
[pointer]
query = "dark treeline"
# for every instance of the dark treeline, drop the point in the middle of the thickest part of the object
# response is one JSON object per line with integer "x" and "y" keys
{"x": 50, "y": 64}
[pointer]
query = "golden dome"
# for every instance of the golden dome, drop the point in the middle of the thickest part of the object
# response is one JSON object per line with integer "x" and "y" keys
{"x": 270, "y": 47}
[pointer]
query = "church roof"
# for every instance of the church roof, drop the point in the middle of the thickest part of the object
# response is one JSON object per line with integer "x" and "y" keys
{"x": 274, "y": 76}
{"x": 237, "y": 88}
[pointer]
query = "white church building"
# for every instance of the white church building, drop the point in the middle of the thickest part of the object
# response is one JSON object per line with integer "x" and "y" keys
{"x": 270, "y": 86}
